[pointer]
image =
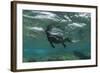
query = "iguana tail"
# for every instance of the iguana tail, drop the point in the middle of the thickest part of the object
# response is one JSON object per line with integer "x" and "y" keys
{"x": 68, "y": 40}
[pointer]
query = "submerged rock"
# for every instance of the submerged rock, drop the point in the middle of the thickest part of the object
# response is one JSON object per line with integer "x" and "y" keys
{"x": 81, "y": 55}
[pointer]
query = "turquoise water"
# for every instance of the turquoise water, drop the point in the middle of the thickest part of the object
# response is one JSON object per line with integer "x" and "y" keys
{"x": 74, "y": 25}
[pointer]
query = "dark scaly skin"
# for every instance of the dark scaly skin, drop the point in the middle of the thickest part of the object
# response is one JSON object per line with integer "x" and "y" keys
{"x": 54, "y": 38}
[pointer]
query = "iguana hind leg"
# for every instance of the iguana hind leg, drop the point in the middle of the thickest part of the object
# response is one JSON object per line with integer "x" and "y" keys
{"x": 52, "y": 44}
{"x": 64, "y": 44}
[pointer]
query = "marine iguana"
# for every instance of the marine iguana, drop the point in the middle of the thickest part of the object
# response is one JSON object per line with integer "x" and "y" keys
{"x": 55, "y": 35}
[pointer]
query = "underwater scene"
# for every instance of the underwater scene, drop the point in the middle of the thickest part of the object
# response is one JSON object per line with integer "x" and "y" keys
{"x": 56, "y": 35}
